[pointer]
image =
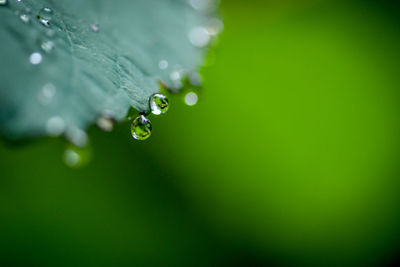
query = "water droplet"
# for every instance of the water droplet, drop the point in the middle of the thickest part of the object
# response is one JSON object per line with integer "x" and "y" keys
{"x": 3, "y": 2}
{"x": 77, "y": 136}
{"x": 215, "y": 26}
{"x": 105, "y": 123}
{"x": 191, "y": 99}
{"x": 176, "y": 75}
{"x": 47, "y": 46}
{"x": 95, "y": 27}
{"x": 163, "y": 64}
{"x": 195, "y": 79}
{"x": 204, "y": 5}
{"x": 199, "y": 37}
{"x": 25, "y": 18}
{"x": 45, "y": 15}
{"x": 35, "y": 58}
{"x": 158, "y": 104}
{"x": 55, "y": 126}
{"x": 77, "y": 157}
{"x": 141, "y": 128}
{"x": 46, "y": 95}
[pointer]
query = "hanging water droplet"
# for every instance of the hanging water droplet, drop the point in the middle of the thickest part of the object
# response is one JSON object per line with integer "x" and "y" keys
{"x": 158, "y": 104}
{"x": 176, "y": 75}
{"x": 45, "y": 15}
{"x": 105, "y": 123}
{"x": 195, "y": 79}
{"x": 199, "y": 37}
{"x": 141, "y": 128}
{"x": 191, "y": 99}
{"x": 3, "y": 2}
{"x": 25, "y": 18}
{"x": 215, "y": 26}
{"x": 47, "y": 46}
{"x": 35, "y": 58}
{"x": 77, "y": 136}
{"x": 163, "y": 64}
{"x": 55, "y": 126}
{"x": 77, "y": 157}
{"x": 95, "y": 27}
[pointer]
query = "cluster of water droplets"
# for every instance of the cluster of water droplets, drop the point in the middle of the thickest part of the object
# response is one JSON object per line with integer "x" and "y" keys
{"x": 78, "y": 152}
{"x": 141, "y": 126}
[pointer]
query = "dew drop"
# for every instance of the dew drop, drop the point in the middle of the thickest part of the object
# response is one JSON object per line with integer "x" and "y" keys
{"x": 3, "y": 2}
{"x": 35, "y": 58}
{"x": 77, "y": 157}
{"x": 25, "y": 18}
{"x": 46, "y": 95}
{"x": 77, "y": 136}
{"x": 199, "y": 37}
{"x": 158, "y": 104}
{"x": 47, "y": 46}
{"x": 195, "y": 79}
{"x": 215, "y": 26}
{"x": 141, "y": 128}
{"x": 95, "y": 27}
{"x": 45, "y": 15}
{"x": 55, "y": 126}
{"x": 191, "y": 99}
{"x": 204, "y": 5}
{"x": 176, "y": 75}
{"x": 163, "y": 64}
{"x": 105, "y": 123}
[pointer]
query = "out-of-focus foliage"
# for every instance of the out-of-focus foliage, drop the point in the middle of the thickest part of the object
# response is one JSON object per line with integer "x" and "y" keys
{"x": 291, "y": 157}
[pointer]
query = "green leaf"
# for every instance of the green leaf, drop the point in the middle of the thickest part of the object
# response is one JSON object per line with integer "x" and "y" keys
{"x": 98, "y": 58}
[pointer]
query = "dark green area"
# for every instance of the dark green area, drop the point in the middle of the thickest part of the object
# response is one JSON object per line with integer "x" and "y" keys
{"x": 291, "y": 157}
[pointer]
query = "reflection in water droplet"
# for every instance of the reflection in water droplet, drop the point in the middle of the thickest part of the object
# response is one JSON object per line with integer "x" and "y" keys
{"x": 47, "y": 46}
{"x": 95, "y": 27}
{"x": 158, "y": 104}
{"x": 199, "y": 37}
{"x": 77, "y": 157}
{"x": 55, "y": 126}
{"x": 191, "y": 99}
{"x": 163, "y": 64}
{"x": 35, "y": 58}
{"x": 141, "y": 128}
{"x": 46, "y": 95}
{"x": 105, "y": 123}
{"x": 45, "y": 15}
{"x": 25, "y": 18}
{"x": 3, "y": 2}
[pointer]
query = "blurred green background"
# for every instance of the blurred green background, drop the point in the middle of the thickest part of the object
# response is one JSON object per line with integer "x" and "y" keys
{"x": 291, "y": 157}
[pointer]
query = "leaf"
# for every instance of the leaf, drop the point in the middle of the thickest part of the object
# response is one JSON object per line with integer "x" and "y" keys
{"x": 99, "y": 58}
